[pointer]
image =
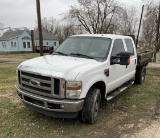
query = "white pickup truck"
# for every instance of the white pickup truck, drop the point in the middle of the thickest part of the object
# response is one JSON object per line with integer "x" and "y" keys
{"x": 81, "y": 72}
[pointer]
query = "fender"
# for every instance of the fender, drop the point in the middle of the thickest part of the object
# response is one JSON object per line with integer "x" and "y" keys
{"x": 88, "y": 84}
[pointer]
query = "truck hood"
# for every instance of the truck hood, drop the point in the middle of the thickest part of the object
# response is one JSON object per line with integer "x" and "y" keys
{"x": 59, "y": 66}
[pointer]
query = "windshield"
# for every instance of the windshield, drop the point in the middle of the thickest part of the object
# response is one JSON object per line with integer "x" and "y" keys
{"x": 93, "y": 47}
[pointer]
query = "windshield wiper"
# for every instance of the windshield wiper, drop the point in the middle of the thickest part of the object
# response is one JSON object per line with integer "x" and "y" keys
{"x": 77, "y": 54}
{"x": 60, "y": 53}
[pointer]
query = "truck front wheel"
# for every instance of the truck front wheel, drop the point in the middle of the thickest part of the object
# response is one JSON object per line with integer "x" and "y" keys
{"x": 91, "y": 106}
{"x": 140, "y": 75}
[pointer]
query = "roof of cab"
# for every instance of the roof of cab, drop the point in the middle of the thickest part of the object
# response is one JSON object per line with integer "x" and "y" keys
{"x": 112, "y": 36}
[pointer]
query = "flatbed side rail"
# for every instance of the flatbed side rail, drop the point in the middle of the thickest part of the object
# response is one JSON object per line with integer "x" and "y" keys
{"x": 144, "y": 58}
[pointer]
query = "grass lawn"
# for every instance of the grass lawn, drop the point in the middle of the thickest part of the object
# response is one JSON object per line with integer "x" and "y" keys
{"x": 118, "y": 116}
{"x": 21, "y": 55}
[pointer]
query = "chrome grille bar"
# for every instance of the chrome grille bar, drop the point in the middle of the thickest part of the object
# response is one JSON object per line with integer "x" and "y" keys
{"x": 42, "y": 85}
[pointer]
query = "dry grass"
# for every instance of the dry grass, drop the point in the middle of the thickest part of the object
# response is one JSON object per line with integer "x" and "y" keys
{"x": 21, "y": 55}
{"x": 124, "y": 114}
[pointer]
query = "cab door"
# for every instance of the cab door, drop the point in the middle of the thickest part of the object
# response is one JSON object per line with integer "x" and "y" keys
{"x": 116, "y": 71}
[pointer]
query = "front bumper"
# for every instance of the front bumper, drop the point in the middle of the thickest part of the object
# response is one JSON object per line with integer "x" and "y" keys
{"x": 49, "y": 104}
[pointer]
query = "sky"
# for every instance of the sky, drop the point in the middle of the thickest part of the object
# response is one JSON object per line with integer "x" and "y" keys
{"x": 22, "y": 13}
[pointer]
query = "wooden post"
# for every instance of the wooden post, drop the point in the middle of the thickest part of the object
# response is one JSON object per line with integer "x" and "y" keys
{"x": 32, "y": 37}
{"x": 157, "y": 36}
{"x": 39, "y": 27}
{"x": 139, "y": 26}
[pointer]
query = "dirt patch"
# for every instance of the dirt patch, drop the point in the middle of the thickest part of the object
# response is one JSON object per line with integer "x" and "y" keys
{"x": 145, "y": 128}
{"x": 151, "y": 131}
{"x": 156, "y": 115}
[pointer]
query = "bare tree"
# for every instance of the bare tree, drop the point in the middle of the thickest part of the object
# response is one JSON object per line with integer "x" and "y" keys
{"x": 127, "y": 21}
{"x": 49, "y": 25}
{"x": 1, "y": 27}
{"x": 149, "y": 24}
{"x": 64, "y": 31}
{"x": 94, "y": 15}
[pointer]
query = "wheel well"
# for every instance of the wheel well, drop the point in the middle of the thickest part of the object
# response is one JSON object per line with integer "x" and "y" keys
{"x": 101, "y": 86}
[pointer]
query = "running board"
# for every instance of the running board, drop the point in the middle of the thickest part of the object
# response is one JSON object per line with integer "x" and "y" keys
{"x": 119, "y": 90}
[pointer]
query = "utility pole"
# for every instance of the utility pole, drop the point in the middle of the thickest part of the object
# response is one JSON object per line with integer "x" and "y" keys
{"x": 39, "y": 27}
{"x": 139, "y": 26}
{"x": 32, "y": 36}
{"x": 157, "y": 37}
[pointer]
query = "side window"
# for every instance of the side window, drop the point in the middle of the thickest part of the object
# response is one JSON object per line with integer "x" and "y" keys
{"x": 129, "y": 45}
{"x": 118, "y": 47}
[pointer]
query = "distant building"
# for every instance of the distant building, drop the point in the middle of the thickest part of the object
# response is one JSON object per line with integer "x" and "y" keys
{"x": 20, "y": 41}
{"x": 49, "y": 40}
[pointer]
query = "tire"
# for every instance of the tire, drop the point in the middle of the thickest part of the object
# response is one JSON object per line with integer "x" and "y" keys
{"x": 140, "y": 75}
{"x": 91, "y": 106}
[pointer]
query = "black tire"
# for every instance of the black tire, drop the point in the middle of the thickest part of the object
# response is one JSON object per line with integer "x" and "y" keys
{"x": 140, "y": 75}
{"x": 91, "y": 106}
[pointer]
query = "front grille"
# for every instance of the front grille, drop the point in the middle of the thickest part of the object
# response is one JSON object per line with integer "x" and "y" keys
{"x": 36, "y": 76}
{"x": 41, "y": 85}
{"x": 36, "y": 89}
{"x": 56, "y": 86}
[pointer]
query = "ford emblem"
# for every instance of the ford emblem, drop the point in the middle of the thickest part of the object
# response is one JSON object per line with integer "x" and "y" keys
{"x": 34, "y": 82}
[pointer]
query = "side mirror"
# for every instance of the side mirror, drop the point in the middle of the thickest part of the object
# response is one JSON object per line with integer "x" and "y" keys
{"x": 125, "y": 58}
{"x": 122, "y": 58}
{"x": 51, "y": 50}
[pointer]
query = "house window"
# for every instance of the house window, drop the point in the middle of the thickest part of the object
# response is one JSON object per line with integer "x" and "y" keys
{"x": 47, "y": 43}
{"x": 4, "y": 44}
{"x": 28, "y": 45}
{"x": 54, "y": 43}
{"x": 12, "y": 44}
{"x": 15, "y": 45}
{"x": 24, "y": 44}
{"x": 37, "y": 43}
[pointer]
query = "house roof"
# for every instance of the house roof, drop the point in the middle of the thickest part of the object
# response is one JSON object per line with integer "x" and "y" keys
{"x": 11, "y": 34}
{"x": 26, "y": 37}
{"x": 46, "y": 36}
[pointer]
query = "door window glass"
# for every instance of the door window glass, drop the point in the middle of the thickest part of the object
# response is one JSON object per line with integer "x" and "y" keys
{"x": 129, "y": 45}
{"x": 118, "y": 47}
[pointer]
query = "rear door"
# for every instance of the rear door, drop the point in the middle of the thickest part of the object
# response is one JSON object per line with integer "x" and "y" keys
{"x": 130, "y": 70}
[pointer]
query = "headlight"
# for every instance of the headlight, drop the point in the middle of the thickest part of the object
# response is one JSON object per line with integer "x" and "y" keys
{"x": 73, "y": 89}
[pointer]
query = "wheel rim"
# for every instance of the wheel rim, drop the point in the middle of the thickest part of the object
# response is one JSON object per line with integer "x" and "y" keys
{"x": 96, "y": 108}
{"x": 143, "y": 75}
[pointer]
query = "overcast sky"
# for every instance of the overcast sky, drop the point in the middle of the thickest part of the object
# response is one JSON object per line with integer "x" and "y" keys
{"x": 22, "y": 13}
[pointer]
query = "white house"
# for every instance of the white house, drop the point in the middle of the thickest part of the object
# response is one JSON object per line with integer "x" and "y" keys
{"x": 20, "y": 41}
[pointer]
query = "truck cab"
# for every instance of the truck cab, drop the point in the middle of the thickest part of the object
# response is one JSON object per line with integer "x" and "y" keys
{"x": 81, "y": 72}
